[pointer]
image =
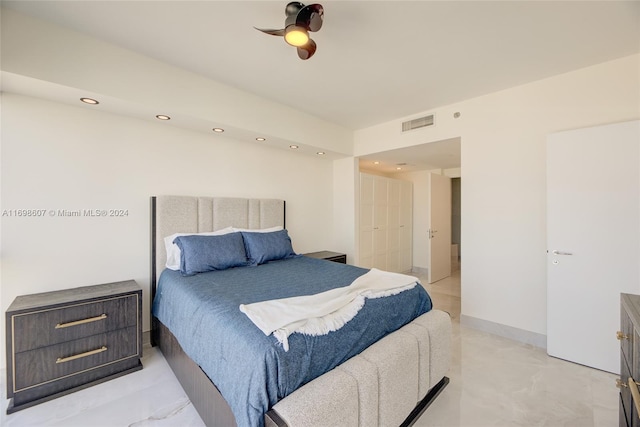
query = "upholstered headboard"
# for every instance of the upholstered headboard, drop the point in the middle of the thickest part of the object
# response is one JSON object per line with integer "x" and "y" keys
{"x": 190, "y": 214}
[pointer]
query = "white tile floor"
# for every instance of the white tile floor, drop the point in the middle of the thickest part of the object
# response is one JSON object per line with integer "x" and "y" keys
{"x": 499, "y": 382}
{"x": 494, "y": 382}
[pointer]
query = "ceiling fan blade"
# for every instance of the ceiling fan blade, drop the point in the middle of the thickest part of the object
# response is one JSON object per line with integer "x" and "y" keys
{"x": 307, "y": 51}
{"x": 272, "y": 32}
{"x": 311, "y": 17}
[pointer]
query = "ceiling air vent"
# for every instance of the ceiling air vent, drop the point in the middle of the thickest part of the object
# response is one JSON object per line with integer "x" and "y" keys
{"x": 417, "y": 123}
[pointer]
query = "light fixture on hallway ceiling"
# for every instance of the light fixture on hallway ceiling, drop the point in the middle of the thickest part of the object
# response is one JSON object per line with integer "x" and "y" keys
{"x": 218, "y": 130}
{"x": 162, "y": 117}
{"x": 294, "y": 147}
{"x": 300, "y": 20}
{"x": 90, "y": 101}
{"x": 261, "y": 139}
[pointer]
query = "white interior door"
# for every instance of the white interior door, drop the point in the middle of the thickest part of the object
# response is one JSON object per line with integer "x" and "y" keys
{"x": 393, "y": 225}
{"x": 439, "y": 227}
{"x": 406, "y": 226}
{"x": 366, "y": 221}
{"x": 593, "y": 226}
{"x": 380, "y": 219}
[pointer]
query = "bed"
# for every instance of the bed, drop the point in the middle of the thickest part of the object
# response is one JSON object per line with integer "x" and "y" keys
{"x": 387, "y": 377}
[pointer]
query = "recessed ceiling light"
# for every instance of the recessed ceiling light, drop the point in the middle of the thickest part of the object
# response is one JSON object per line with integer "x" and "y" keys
{"x": 261, "y": 139}
{"x": 293, "y": 147}
{"x": 376, "y": 163}
{"x": 398, "y": 168}
{"x": 162, "y": 117}
{"x": 219, "y": 130}
{"x": 320, "y": 153}
{"x": 89, "y": 101}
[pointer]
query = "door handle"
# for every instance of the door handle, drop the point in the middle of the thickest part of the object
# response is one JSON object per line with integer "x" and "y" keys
{"x": 557, "y": 252}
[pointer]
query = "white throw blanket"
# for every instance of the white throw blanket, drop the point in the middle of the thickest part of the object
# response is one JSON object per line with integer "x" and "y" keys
{"x": 325, "y": 312}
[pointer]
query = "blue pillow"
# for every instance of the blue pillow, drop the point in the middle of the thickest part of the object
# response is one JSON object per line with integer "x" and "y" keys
{"x": 207, "y": 253}
{"x": 264, "y": 247}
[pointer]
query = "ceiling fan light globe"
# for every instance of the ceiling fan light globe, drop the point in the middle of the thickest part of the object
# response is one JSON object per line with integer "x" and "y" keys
{"x": 296, "y": 36}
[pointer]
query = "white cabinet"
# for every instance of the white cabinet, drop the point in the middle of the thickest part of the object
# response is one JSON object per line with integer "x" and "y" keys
{"x": 385, "y": 223}
{"x": 406, "y": 226}
{"x": 380, "y": 220}
{"x": 366, "y": 221}
{"x": 393, "y": 225}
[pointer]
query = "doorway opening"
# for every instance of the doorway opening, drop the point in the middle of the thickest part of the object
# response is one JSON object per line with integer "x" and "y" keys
{"x": 456, "y": 224}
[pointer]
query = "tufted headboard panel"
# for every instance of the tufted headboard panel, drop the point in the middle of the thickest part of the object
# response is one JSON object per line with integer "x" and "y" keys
{"x": 191, "y": 214}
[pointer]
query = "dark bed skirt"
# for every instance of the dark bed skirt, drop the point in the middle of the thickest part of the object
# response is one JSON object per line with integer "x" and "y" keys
{"x": 211, "y": 406}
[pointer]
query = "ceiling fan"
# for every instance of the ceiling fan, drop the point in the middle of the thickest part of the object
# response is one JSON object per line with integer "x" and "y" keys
{"x": 300, "y": 20}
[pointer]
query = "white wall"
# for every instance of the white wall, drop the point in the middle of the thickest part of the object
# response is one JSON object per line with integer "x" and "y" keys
{"x": 503, "y": 190}
{"x": 346, "y": 190}
{"x": 56, "y": 156}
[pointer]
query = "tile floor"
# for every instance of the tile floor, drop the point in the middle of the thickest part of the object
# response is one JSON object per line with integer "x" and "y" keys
{"x": 494, "y": 382}
{"x": 499, "y": 382}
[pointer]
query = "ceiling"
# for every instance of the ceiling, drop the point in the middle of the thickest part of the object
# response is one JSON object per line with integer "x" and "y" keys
{"x": 376, "y": 61}
{"x": 430, "y": 156}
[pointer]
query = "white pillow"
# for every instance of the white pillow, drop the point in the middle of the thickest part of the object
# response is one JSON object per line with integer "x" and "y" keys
{"x": 173, "y": 251}
{"x": 260, "y": 230}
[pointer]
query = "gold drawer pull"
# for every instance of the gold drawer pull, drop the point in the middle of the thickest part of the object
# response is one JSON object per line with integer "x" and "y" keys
{"x": 622, "y": 384}
{"x": 81, "y": 355}
{"x": 635, "y": 394}
{"x": 81, "y": 322}
{"x": 621, "y": 336}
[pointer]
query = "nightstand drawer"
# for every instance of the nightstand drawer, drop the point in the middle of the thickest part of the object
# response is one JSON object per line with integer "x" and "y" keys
{"x": 61, "y": 324}
{"x": 42, "y": 365}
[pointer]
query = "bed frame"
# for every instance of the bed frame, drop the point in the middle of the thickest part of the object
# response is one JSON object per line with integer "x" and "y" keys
{"x": 414, "y": 358}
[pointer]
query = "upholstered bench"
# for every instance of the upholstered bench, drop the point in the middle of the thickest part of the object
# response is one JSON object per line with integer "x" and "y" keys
{"x": 379, "y": 386}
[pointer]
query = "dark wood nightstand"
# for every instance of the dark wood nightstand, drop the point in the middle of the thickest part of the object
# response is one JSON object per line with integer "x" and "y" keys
{"x": 329, "y": 256}
{"x": 63, "y": 341}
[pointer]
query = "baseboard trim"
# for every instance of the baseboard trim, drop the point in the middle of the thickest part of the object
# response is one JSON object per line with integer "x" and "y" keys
{"x": 420, "y": 270}
{"x": 516, "y": 334}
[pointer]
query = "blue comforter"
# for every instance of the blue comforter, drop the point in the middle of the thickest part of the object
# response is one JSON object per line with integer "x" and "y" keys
{"x": 251, "y": 370}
